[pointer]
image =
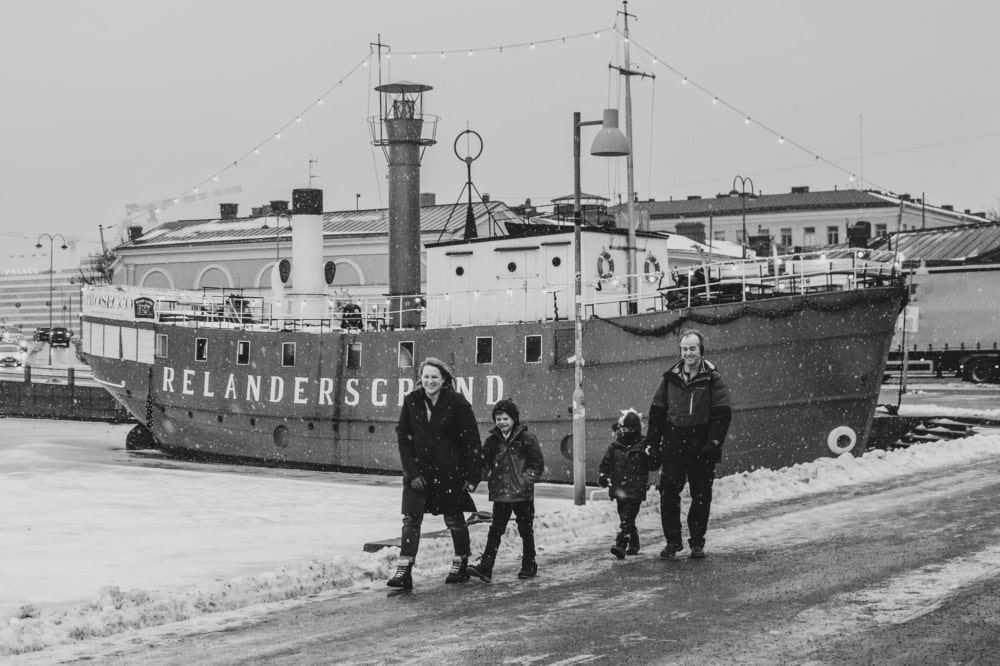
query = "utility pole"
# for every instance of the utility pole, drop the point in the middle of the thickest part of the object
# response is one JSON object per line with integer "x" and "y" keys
{"x": 628, "y": 73}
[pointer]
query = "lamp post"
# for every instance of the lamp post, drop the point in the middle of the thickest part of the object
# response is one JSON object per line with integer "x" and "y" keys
{"x": 609, "y": 142}
{"x": 62, "y": 247}
{"x": 742, "y": 192}
{"x": 277, "y": 289}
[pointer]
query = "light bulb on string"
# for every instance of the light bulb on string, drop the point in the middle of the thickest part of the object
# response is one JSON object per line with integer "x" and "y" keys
{"x": 215, "y": 178}
{"x": 277, "y": 135}
{"x": 715, "y": 100}
{"x": 442, "y": 54}
{"x": 532, "y": 46}
{"x": 656, "y": 60}
{"x": 256, "y": 151}
{"x": 472, "y": 53}
{"x": 597, "y": 35}
{"x": 684, "y": 80}
{"x": 746, "y": 121}
{"x": 319, "y": 102}
{"x": 298, "y": 119}
{"x": 781, "y": 139}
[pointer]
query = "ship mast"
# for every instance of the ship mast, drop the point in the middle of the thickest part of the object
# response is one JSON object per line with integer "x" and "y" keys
{"x": 628, "y": 73}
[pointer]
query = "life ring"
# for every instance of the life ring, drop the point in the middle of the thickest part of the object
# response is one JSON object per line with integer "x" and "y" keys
{"x": 605, "y": 266}
{"x": 841, "y": 440}
{"x": 651, "y": 268}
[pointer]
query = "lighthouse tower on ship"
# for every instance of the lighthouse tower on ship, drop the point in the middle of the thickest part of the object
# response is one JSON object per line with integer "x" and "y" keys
{"x": 401, "y": 132}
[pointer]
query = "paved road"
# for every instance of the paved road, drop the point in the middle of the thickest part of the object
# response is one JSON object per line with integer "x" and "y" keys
{"x": 901, "y": 573}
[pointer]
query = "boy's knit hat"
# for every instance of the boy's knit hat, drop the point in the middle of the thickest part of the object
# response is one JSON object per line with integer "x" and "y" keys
{"x": 630, "y": 420}
{"x": 507, "y": 406}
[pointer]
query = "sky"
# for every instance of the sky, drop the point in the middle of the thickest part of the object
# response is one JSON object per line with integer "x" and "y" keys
{"x": 92, "y": 548}
{"x": 113, "y": 102}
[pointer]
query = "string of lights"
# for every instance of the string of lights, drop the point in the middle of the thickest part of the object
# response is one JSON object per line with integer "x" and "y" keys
{"x": 318, "y": 102}
{"x": 276, "y": 135}
{"x": 748, "y": 119}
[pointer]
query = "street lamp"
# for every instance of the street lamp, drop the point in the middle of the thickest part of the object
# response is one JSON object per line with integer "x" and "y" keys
{"x": 609, "y": 142}
{"x": 743, "y": 193}
{"x": 62, "y": 247}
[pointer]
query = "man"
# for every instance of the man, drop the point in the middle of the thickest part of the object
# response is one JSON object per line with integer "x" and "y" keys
{"x": 688, "y": 421}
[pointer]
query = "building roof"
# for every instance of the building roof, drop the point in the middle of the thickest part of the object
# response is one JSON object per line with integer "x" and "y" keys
{"x": 798, "y": 200}
{"x": 944, "y": 246}
{"x": 447, "y": 218}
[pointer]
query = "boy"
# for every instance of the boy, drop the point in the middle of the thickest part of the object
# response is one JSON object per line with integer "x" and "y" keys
{"x": 625, "y": 467}
{"x": 512, "y": 460}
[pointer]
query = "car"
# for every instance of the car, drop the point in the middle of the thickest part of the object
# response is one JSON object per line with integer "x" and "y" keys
{"x": 11, "y": 356}
{"x": 60, "y": 336}
{"x": 42, "y": 334}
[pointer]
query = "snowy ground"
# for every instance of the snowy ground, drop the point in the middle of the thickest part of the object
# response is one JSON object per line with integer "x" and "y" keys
{"x": 95, "y": 546}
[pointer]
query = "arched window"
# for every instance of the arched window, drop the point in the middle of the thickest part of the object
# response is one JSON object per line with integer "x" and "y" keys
{"x": 157, "y": 279}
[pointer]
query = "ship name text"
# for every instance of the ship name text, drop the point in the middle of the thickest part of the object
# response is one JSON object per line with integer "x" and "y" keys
{"x": 375, "y": 391}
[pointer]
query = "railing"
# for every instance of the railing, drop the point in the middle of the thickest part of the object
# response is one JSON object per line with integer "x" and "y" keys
{"x": 705, "y": 284}
{"x": 72, "y": 376}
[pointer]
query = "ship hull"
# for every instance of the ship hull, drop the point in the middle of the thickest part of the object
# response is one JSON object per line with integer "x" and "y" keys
{"x": 804, "y": 373}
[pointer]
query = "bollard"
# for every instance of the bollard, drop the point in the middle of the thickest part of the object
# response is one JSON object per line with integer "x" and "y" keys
{"x": 71, "y": 376}
{"x": 27, "y": 374}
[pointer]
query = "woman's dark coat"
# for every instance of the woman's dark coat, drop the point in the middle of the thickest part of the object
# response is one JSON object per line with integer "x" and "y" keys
{"x": 513, "y": 466}
{"x": 443, "y": 450}
{"x": 625, "y": 468}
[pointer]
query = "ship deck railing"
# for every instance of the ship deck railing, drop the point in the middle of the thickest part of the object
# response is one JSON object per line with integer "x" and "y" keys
{"x": 690, "y": 287}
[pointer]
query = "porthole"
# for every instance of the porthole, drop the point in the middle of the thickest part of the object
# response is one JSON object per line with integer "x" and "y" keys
{"x": 511, "y": 267}
{"x": 371, "y": 428}
{"x": 310, "y": 426}
{"x": 336, "y": 427}
{"x": 460, "y": 271}
{"x": 566, "y": 447}
{"x": 253, "y": 422}
{"x": 281, "y": 436}
{"x": 556, "y": 261}
{"x": 219, "y": 418}
{"x": 190, "y": 415}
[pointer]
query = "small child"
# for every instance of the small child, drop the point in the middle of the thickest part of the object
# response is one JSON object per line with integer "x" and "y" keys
{"x": 512, "y": 461}
{"x": 625, "y": 468}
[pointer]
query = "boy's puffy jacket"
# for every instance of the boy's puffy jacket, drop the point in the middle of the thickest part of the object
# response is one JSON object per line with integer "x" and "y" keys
{"x": 512, "y": 466}
{"x": 625, "y": 468}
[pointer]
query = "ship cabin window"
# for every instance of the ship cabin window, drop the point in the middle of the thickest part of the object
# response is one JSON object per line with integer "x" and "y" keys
{"x": 719, "y": 235}
{"x": 809, "y": 236}
{"x": 405, "y": 359}
{"x": 354, "y": 355}
{"x": 484, "y": 351}
{"x": 786, "y": 237}
{"x": 243, "y": 352}
{"x": 532, "y": 349}
{"x": 881, "y": 229}
{"x": 201, "y": 349}
{"x": 288, "y": 354}
{"x": 832, "y": 235}
{"x": 161, "y": 345}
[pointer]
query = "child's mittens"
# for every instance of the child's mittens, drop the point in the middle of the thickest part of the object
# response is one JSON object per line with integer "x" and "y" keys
{"x": 602, "y": 480}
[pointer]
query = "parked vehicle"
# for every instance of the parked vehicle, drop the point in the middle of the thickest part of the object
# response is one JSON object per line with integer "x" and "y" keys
{"x": 60, "y": 337}
{"x": 11, "y": 356}
{"x": 42, "y": 334}
{"x": 953, "y": 323}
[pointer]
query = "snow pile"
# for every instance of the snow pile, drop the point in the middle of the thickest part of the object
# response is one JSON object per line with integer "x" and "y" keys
{"x": 564, "y": 532}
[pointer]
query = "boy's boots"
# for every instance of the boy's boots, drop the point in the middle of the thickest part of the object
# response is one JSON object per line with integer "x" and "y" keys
{"x": 633, "y": 543}
{"x": 483, "y": 570}
{"x": 529, "y": 568}
{"x": 403, "y": 578}
{"x": 618, "y": 550}
{"x": 459, "y": 570}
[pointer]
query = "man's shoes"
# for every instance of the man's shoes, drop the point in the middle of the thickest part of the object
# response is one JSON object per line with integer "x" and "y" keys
{"x": 670, "y": 550}
{"x": 697, "y": 552}
{"x": 618, "y": 551}
{"x": 459, "y": 570}
{"x": 529, "y": 569}
{"x": 633, "y": 545}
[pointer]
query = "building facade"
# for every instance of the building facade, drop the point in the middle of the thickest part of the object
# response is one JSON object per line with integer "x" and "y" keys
{"x": 797, "y": 221}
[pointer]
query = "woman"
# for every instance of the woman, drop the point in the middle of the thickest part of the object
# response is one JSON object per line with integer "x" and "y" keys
{"x": 439, "y": 450}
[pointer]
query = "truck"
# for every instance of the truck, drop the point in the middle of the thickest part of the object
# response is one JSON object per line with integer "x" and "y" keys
{"x": 952, "y": 323}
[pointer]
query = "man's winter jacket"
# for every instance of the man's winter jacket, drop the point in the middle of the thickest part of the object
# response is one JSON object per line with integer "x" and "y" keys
{"x": 689, "y": 419}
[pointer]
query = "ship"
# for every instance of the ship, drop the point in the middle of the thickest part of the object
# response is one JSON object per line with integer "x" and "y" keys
{"x": 541, "y": 315}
